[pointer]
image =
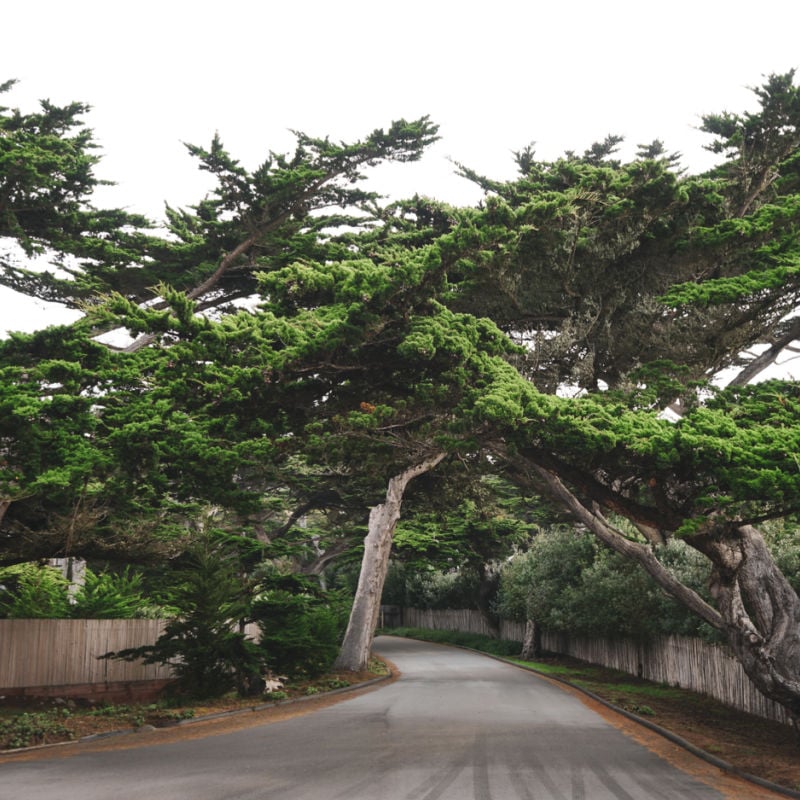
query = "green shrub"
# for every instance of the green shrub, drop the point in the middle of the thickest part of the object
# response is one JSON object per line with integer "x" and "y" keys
{"x": 33, "y": 591}
{"x": 208, "y": 654}
{"x": 107, "y": 595}
{"x": 567, "y": 581}
{"x": 301, "y": 627}
{"x": 28, "y": 729}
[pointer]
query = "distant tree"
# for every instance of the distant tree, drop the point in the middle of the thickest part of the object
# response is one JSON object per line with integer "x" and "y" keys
{"x": 567, "y": 582}
{"x": 464, "y": 525}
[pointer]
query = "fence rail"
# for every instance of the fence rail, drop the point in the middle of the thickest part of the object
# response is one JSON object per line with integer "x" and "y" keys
{"x": 674, "y": 660}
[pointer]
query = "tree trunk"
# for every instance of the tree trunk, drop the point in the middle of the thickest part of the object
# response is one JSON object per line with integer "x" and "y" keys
{"x": 357, "y": 644}
{"x": 761, "y": 611}
{"x": 532, "y": 642}
{"x": 488, "y": 581}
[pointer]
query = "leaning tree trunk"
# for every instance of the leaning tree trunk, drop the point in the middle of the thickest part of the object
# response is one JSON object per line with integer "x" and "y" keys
{"x": 760, "y": 609}
{"x": 357, "y": 644}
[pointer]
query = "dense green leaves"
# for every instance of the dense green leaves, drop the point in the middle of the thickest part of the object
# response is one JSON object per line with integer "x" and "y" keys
{"x": 541, "y": 334}
{"x": 566, "y": 582}
{"x": 208, "y": 653}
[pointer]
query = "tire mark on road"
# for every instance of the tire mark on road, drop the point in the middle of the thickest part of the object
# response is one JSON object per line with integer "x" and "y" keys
{"x": 480, "y": 769}
{"x": 541, "y": 774}
{"x": 438, "y": 785}
{"x": 578, "y": 789}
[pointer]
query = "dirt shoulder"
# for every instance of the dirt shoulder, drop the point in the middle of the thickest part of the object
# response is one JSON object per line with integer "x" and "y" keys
{"x": 748, "y": 744}
{"x": 33, "y": 727}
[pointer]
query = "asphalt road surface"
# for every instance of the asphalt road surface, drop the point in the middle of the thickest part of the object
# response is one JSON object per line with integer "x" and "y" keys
{"x": 456, "y": 725}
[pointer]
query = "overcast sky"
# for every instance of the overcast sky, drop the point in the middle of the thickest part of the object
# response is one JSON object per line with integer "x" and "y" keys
{"x": 494, "y": 75}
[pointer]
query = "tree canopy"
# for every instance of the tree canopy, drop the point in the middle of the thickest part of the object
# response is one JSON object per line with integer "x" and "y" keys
{"x": 539, "y": 335}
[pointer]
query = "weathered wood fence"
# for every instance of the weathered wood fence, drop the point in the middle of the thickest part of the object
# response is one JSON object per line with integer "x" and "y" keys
{"x": 63, "y": 652}
{"x": 674, "y": 660}
{"x": 59, "y": 653}
{"x": 56, "y": 654}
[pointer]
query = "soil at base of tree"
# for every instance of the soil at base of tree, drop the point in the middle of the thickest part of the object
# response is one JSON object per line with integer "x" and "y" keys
{"x": 47, "y": 721}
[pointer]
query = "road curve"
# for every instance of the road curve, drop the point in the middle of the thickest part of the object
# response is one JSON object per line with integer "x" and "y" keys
{"x": 456, "y": 725}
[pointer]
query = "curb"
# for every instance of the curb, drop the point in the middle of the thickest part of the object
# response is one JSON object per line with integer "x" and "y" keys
{"x": 667, "y": 734}
{"x": 94, "y": 737}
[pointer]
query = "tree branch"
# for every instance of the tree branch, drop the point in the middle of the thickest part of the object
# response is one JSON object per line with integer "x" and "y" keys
{"x": 636, "y": 551}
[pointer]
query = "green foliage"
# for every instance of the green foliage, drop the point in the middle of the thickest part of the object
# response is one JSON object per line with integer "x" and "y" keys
{"x": 783, "y": 537}
{"x": 381, "y": 338}
{"x": 253, "y": 221}
{"x": 33, "y": 728}
{"x": 461, "y": 518}
{"x": 427, "y": 588}
{"x": 47, "y": 162}
{"x": 107, "y": 595}
{"x": 533, "y": 585}
{"x": 567, "y": 582}
{"x": 36, "y": 591}
{"x": 301, "y": 626}
{"x": 615, "y": 598}
{"x": 208, "y": 654}
{"x": 33, "y": 591}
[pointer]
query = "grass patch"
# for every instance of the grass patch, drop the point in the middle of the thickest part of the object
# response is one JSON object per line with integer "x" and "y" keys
{"x": 474, "y": 641}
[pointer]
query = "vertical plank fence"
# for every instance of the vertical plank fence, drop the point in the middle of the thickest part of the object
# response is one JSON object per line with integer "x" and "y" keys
{"x": 39, "y": 655}
{"x": 62, "y": 652}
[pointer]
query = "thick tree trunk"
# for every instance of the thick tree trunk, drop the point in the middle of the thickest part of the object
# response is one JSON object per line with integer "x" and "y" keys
{"x": 383, "y": 518}
{"x": 760, "y": 609}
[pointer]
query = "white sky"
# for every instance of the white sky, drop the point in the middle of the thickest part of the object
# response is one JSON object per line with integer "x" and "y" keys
{"x": 495, "y": 76}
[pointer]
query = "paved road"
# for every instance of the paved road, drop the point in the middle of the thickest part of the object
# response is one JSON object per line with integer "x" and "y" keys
{"x": 456, "y": 725}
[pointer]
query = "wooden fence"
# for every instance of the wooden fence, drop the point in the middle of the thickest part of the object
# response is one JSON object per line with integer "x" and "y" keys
{"x": 63, "y": 653}
{"x": 673, "y": 660}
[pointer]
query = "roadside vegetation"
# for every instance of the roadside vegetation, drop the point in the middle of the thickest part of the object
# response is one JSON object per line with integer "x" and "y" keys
{"x": 39, "y": 722}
